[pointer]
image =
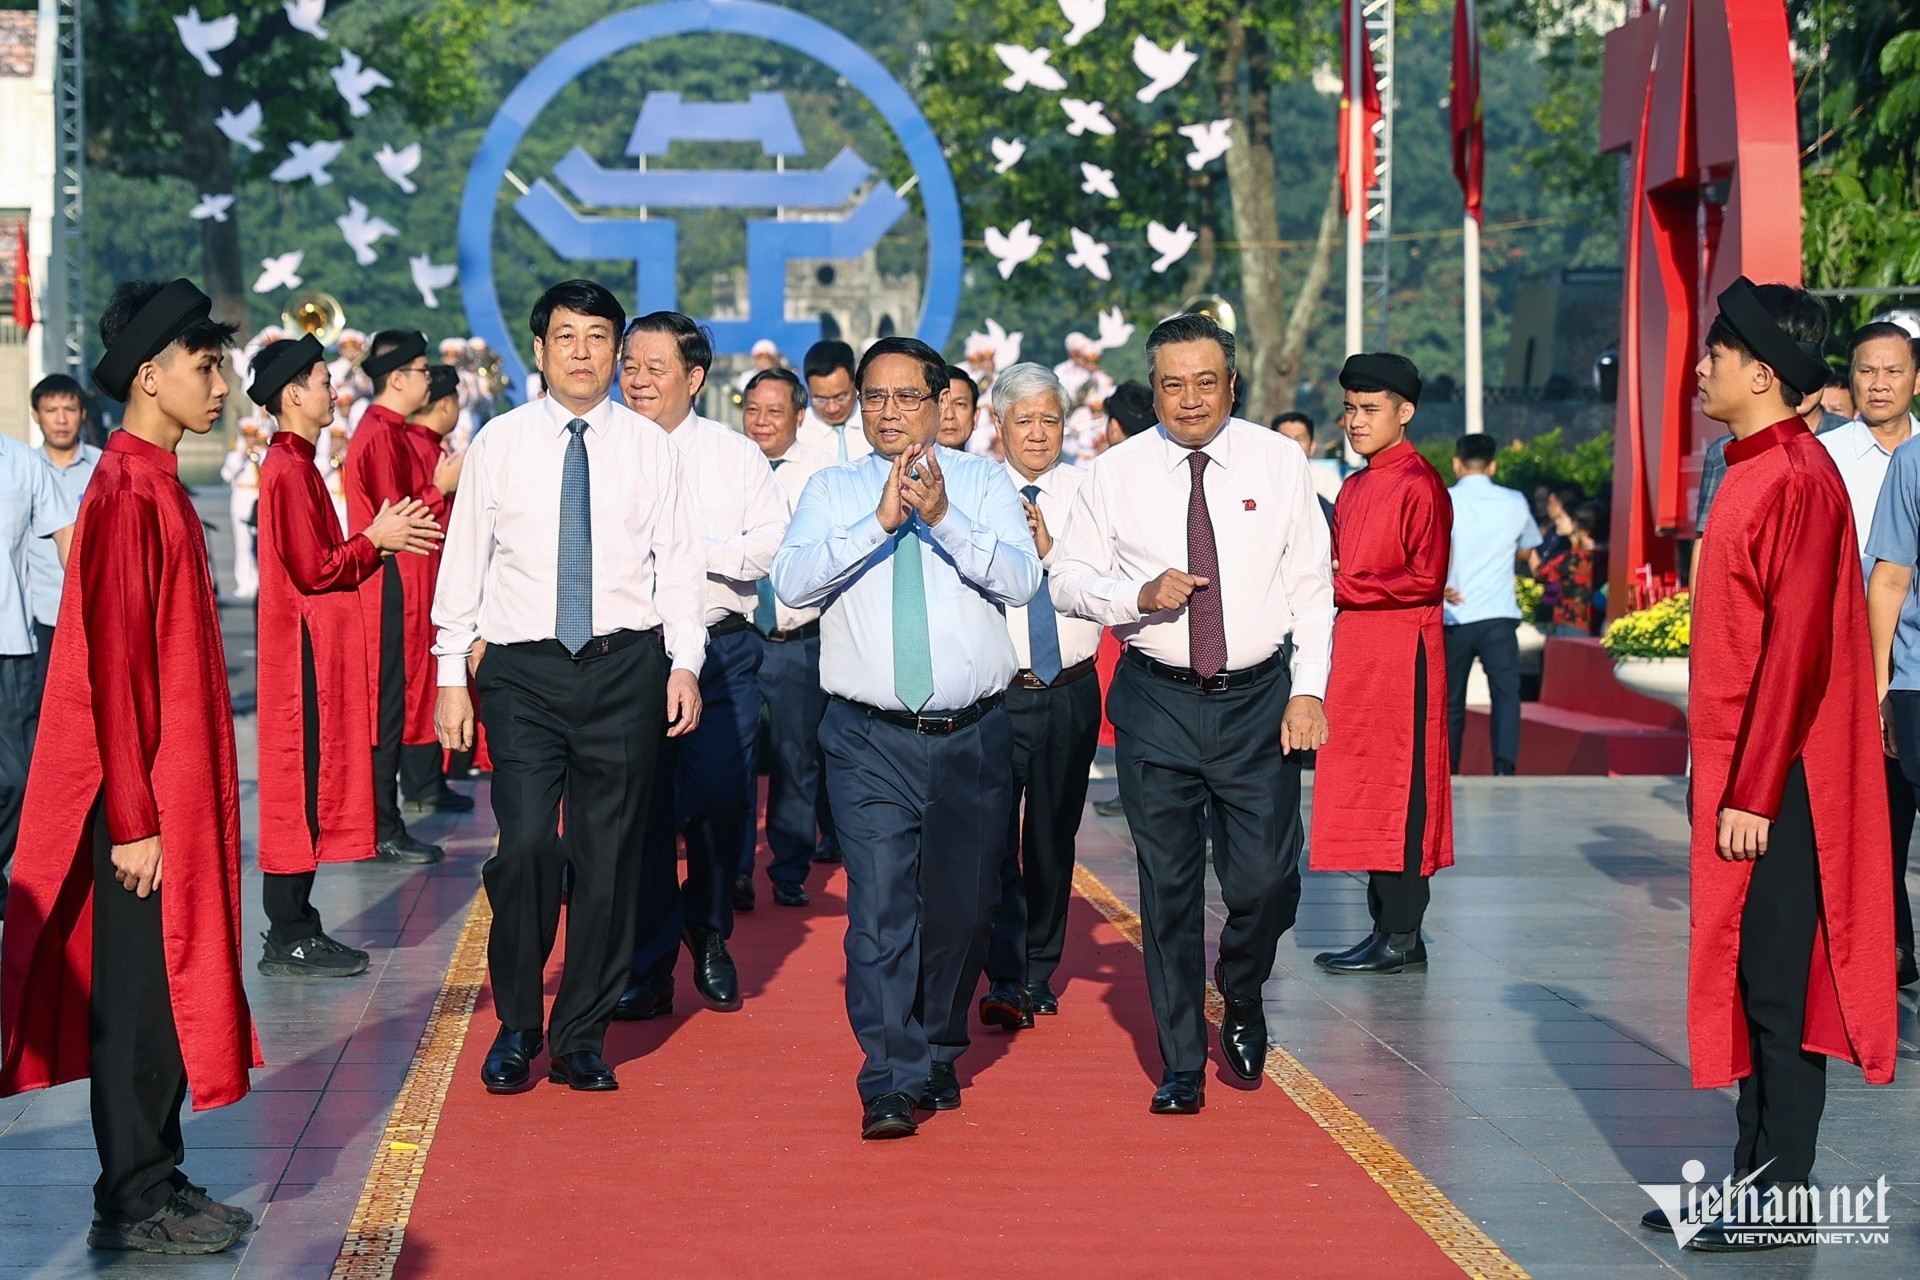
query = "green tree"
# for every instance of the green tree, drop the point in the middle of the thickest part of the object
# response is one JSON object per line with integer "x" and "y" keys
{"x": 151, "y": 109}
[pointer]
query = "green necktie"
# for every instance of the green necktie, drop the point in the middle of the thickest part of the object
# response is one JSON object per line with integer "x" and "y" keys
{"x": 765, "y": 618}
{"x": 912, "y": 648}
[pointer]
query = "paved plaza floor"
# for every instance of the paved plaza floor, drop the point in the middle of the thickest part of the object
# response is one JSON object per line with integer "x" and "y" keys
{"x": 1535, "y": 1074}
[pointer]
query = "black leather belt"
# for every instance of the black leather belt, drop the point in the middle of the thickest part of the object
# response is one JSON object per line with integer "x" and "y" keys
{"x": 1206, "y": 684}
{"x": 597, "y": 647}
{"x": 805, "y": 631}
{"x": 728, "y": 625}
{"x": 941, "y": 723}
{"x": 1025, "y": 679}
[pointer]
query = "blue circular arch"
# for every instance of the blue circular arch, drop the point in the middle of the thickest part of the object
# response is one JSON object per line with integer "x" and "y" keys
{"x": 939, "y": 303}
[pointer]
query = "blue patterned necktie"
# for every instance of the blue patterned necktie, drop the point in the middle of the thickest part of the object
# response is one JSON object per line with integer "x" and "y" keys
{"x": 1043, "y": 628}
{"x": 766, "y": 617}
{"x": 573, "y": 618}
{"x": 912, "y": 646}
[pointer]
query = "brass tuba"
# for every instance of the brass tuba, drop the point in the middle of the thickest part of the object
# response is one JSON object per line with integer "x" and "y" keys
{"x": 1213, "y": 307}
{"x": 316, "y": 312}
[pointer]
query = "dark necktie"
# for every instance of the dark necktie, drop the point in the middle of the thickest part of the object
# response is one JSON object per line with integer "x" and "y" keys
{"x": 1043, "y": 628}
{"x": 573, "y": 586}
{"x": 766, "y": 616}
{"x": 1206, "y": 628}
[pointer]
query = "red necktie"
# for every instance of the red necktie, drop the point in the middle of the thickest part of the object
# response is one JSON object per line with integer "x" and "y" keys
{"x": 1206, "y": 628}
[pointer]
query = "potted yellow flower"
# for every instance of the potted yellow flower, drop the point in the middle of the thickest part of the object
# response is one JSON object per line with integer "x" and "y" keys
{"x": 1528, "y": 591}
{"x": 1649, "y": 649}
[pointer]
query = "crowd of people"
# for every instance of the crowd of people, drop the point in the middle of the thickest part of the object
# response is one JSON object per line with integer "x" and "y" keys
{"x": 600, "y": 599}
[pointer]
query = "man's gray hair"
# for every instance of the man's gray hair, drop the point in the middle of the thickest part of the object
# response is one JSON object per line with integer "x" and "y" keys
{"x": 1024, "y": 381}
{"x": 1188, "y": 326}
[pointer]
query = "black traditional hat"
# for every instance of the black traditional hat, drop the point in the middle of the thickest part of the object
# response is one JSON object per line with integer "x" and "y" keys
{"x": 169, "y": 313}
{"x": 1798, "y": 364}
{"x": 443, "y": 380}
{"x": 280, "y": 363}
{"x": 412, "y": 346}
{"x": 1382, "y": 371}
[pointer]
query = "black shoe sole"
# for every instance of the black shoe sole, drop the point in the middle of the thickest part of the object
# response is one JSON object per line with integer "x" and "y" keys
{"x": 929, "y": 1103}
{"x": 405, "y": 859}
{"x": 597, "y": 1086}
{"x": 658, "y": 1011}
{"x": 1181, "y": 1110}
{"x": 721, "y": 1006}
{"x": 892, "y": 1127}
{"x": 782, "y": 902}
{"x": 997, "y": 1013}
{"x": 285, "y": 969}
{"x": 120, "y": 1241}
{"x": 743, "y": 908}
{"x": 508, "y": 1089}
{"x": 1411, "y": 966}
{"x": 1234, "y": 1066}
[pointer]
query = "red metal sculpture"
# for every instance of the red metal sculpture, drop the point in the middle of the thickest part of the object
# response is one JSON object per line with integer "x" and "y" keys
{"x": 1699, "y": 94}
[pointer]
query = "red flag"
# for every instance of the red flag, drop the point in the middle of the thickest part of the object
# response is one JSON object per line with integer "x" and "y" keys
{"x": 1463, "y": 106}
{"x": 22, "y": 283}
{"x": 1370, "y": 112}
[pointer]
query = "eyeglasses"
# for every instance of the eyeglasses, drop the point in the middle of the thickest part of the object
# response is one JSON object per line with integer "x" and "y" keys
{"x": 845, "y": 397}
{"x": 908, "y": 400}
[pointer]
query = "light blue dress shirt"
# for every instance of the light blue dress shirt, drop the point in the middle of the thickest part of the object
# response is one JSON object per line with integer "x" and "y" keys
{"x": 43, "y": 558}
{"x": 979, "y": 559}
{"x": 32, "y": 505}
{"x": 1896, "y": 539}
{"x": 1491, "y": 524}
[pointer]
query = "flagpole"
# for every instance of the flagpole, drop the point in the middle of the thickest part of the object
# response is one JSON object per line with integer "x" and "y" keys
{"x": 1476, "y": 421}
{"x": 1356, "y": 181}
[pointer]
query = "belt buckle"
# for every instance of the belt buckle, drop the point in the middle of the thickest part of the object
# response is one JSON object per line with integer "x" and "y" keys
{"x": 1215, "y": 683}
{"x": 934, "y": 726}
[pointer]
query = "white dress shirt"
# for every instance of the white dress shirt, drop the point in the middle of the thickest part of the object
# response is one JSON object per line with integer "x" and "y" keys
{"x": 791, "y": 471}
{"x": 1863, "y": 467}
{"x": 815, "y": 431}
{"x": 1078, "y": 637}
{"x": 976, "y": 561}
{"x": 499, "y": 568}
{"x": 738, "y": 510}
{"x": 1129, "y": 525}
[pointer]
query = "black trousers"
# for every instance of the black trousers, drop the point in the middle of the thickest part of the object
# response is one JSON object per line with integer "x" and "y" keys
{"x": 43, "y": 642}
{"x": 704, "y": 787}
{"x": 796, "y": 783}
{"x": 288, "y": 899}
{"x": 1055, "y": 733}
{"x": 1398, "y": 899}
{"x": 1179, "y": 751}
{"x": 137, "y": 1081}
{"x": 19, "y": 722}
{"x": 1495, "y": 641}
{"x": 1782, "y": 1100}
{"x": 390, "y": 710}
{"x": 1903, "y": 789}
{"x": 580, "y": 734}
{"x": 921, "y": 820}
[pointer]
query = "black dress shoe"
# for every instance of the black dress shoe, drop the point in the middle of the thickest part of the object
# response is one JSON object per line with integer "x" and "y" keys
{"x": 445, "y": 800}
{"x": 509, "y": 1064}
{"x": 197, "y": 1199}
{"x": 406, "y": 849}
{"x": 743, "y": 893}
{"x": 583, "y": 1070}
{"x": 1109, "y": 808}
{"x": 1380, "y": 955}
{"x": 1327, "y": 957}
{"x": 1005, "y": 1005}
{"x": 824, "y": 854}
{"x": 889, "y": 1116}
{"x": 714, "y": 976}
{"x": 1243, "y": 1031}
{"x": 1181, "y": 1093}
{"x": 943, "y": 1089}
{"x": 1905, "y": 974}
{"x": 790, "y": 895}
{"x": 644, "y": 999}
{"x": 1041, "y": 1000}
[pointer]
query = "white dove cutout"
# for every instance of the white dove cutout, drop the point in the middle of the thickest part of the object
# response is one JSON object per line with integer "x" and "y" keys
{"x": 1085, "y": 15}
{"x": 282, "y": 272}
{"x": 1096, "y": 181}
{"x": 1013, "y": 247}
{"x": 214, "y": 207}
{"x": 241, "y": 128}
{"x": 1086, "y": 117}
{"x": 1006, "y": 154}
{"x": 307, "y": 160}
{"x": 361, "y": 230}
{"x": 1170, "y": 245}
{"x": 428, "y": 278}
{"x": 1210, "y": 142}
{"x": 355, "y": 81}
{"x": 1006, "y": 346}
{"x": 397, "y": 165}
{"x": 1114, "y": 329}
{"x": 1088, "y": 254}
{"x": 305, "y": 15}
{"x": 204, "y": 37}
{"x": 1163, "y": 68}
{"x": 1029, "y": 67}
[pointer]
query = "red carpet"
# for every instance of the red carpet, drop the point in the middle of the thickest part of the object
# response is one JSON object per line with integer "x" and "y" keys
{"x": 732, "y": 1148}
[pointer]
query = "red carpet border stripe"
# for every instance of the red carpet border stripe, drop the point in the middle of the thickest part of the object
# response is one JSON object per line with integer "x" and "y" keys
{"x": 379, "y": 1224}
{"x": 1457, "y": 1235}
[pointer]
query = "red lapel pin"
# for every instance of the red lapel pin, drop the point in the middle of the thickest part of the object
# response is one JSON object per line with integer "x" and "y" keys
{"x": 1248, "y": 503}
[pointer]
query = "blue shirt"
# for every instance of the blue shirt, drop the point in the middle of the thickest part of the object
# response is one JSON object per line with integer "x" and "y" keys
{"x": 32, "y": 505}
{"x": 979, "y": 559}
{"x": 1895, "y": 538}
{"x": 1491, "y": 525}
{"x": 43, "y": 558}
